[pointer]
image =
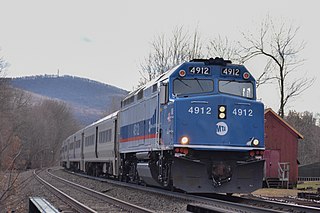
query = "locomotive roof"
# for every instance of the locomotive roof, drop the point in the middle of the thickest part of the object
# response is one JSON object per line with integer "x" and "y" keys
{"x": 102, "y": 119}
{"x": 153, "y": 81}
{"x": 92, "y": 124}
{"x": 210, "y": 61}
{"x": 165, "y": 75}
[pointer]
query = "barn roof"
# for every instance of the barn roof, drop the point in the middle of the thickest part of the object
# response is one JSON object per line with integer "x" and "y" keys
{"x": 269, "y": 110}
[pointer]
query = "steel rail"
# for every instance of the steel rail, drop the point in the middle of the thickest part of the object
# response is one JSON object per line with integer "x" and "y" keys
{"x": 286, "y": 207}
{"x": 66, "y": 198}
{"x": 222, "y": 202}
{"x": 218, "y": 205}
{"x": 117, "y": 202}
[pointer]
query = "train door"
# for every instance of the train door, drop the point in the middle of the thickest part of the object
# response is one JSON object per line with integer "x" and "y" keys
{"x": 272, "y": 159}
{"x": 165, "y": 117}
{"x": 151, "y": 109}
{"x": 96, "y": 143}
{"x": 147, "y": 123}
{"x": 74, "y": 147}
{"x": 160, "y": 101}
{"x": 116, "y": 149}
{"x": 81, "y": 153}
{"x": 68, "y": 157}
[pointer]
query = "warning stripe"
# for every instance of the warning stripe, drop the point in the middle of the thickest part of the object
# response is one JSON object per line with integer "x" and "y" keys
{"x": 137, "y": 138}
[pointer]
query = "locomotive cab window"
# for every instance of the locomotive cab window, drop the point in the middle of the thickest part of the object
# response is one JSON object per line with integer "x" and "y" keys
{"x": 242, "y": 89}
{"x": 183, "y": 87}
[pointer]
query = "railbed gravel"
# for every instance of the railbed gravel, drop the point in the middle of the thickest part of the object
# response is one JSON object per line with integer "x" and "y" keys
{"x": 155, "y": 202}
{"x": 76, "y": 193}
{"x": 27, "y": 186}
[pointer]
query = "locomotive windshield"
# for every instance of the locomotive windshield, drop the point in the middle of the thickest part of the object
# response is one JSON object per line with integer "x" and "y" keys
{"x": 191, "y": 86}
{"x": 243, "y": 89}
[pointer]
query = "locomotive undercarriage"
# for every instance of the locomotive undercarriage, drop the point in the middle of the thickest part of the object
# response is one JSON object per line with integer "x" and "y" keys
{"x": 197, "y": 172}
{"x": 152, "y": 168}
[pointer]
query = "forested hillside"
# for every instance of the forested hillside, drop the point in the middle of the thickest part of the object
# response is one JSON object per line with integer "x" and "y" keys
{"x": 307, "y": 124}
{"x": 89, "y": 100}
{"x": 38, "y": 113}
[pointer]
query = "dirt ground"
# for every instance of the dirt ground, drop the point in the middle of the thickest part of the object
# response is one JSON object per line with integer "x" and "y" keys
{"x": 276, "y": 192}
{"x": 304, "y": 186}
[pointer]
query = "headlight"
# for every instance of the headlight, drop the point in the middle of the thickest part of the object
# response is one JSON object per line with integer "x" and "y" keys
{"x": 222, "y": 108}
{"x": 222, "y": 112}
{"x": 222, "y": 115}
{"x": 184, "y": 140}
{"x": 255, "y": 142}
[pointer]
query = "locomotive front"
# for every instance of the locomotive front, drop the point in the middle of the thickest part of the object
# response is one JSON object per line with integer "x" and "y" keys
{"x": 215, "y": 126}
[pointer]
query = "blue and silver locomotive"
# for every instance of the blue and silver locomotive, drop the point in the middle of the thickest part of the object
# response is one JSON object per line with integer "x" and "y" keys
{"x": 198, "y": 128}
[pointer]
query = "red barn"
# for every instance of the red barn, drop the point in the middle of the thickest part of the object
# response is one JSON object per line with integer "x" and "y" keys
{"x": 281, "y": 155}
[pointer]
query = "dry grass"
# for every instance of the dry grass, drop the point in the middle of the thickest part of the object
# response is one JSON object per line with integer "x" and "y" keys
{"x": 309, "y": 184}
{"x": 267, "y": 192}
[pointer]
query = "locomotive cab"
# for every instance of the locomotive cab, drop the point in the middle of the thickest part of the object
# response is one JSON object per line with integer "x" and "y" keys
{"x": 215, "y": 126}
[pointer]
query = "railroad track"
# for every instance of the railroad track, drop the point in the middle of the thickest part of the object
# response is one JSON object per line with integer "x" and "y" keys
{"x": 225, "y": 204}
{"x": 267, "y": 204}
{"x": 86, "y": 200}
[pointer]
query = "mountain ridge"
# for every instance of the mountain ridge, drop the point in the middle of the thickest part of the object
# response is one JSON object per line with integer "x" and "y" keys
{"x": 89, "y": 99}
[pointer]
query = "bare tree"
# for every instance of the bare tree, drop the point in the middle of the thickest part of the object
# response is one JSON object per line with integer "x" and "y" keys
{"x": 277, "y": 43}
{"x": 224, "y": 48}
{"x": 12, "y": 105}
{"x": 169, "y": 52}
{"x": 47, "y": 125}
{"x": 28, "y": 129}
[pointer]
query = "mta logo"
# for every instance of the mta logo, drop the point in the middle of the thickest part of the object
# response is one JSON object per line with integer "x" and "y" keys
{"x": 222, "y": 128}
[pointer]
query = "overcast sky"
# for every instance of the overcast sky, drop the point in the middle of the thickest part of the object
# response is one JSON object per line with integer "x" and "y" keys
{"x": 107, "y": 40}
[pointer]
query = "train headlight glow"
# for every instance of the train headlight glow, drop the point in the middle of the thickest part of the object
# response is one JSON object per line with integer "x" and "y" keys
{"x": 222, "y": 112}
{"x": 222, "y": 115}
{"x": 184, "y": 140}
{"x": 222, "y": 108}
{"x": 255, "y": 142}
